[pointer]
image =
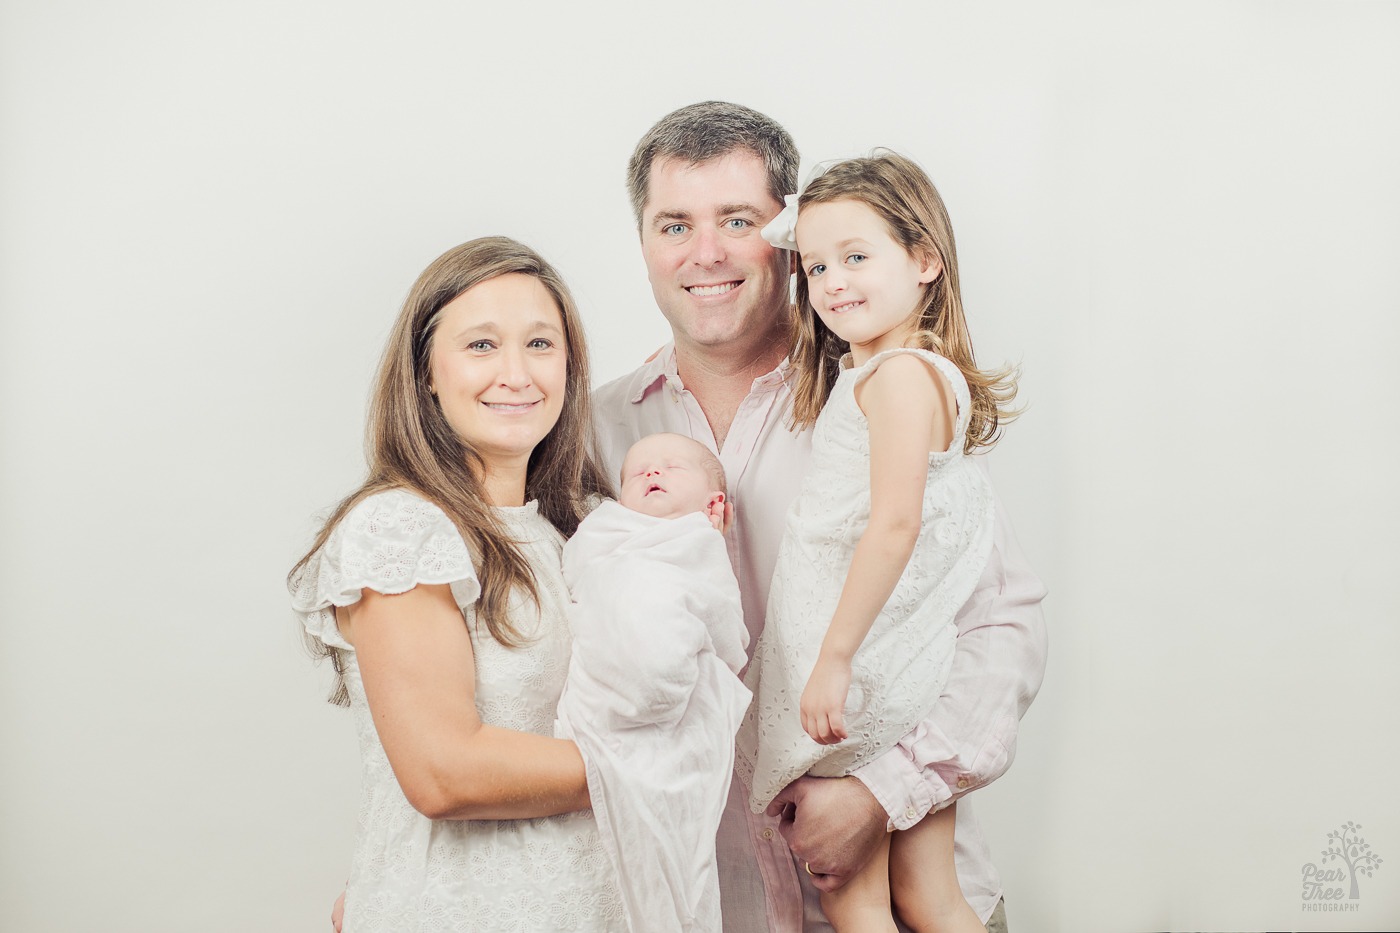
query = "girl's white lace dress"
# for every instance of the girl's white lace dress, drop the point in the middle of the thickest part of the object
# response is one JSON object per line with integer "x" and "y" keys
{"x": 410, "y": 873}
{"x": 903, "y": 663}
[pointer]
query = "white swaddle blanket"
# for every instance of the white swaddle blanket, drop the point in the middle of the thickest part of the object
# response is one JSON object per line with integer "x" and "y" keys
{"x": 653, "y": 700}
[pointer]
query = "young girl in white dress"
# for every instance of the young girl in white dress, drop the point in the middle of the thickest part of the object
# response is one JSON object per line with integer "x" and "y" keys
{"x": 893, "y": 525}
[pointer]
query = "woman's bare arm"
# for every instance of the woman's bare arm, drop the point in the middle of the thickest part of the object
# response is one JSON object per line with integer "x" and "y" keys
{"x": 416, "y": 658}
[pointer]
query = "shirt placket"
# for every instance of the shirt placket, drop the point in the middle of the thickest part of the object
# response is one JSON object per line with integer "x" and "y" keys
{"x": 784, "y": 900}
{"x": 783, "y": 891}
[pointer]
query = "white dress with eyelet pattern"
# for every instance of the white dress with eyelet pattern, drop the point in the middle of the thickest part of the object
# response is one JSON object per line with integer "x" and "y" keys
{"x": 901, "y": 666}
{"x": 410, "y": 873}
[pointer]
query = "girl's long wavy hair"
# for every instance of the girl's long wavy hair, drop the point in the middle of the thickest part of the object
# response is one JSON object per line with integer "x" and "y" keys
{"x": 410, "y": 445}
{"x": 896, "y": 189}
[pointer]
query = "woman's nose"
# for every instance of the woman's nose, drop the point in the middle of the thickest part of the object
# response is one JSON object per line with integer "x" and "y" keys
{"x": 514, "y": 373}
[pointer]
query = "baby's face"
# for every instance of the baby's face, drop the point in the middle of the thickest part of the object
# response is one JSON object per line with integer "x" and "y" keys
{"x": 664, "y": 476}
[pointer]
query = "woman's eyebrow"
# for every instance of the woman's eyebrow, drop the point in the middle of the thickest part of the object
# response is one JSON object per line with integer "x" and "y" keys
{"x": 488, "y": 328}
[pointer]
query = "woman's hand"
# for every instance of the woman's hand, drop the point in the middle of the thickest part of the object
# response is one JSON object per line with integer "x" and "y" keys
{"x": 823, "y": 703}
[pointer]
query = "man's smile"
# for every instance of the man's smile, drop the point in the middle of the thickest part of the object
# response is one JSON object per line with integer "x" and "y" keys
{"x": 705, "y": 291}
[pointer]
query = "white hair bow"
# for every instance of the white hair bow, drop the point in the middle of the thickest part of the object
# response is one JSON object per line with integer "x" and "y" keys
{"x": 781, "y": 231}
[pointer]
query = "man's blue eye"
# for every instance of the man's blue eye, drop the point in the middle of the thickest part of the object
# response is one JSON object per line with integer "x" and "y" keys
{"x": 674, "y": 229}
{"x": 737, "y": 223}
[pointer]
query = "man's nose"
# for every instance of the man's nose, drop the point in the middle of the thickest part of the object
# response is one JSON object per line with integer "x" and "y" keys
{"x": 709, "y": 247}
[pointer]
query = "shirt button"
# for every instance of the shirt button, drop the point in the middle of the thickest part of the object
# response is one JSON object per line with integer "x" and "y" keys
{"x": 768, "y": 834}
{"x": 911, "y": 814}
{"x": 962, "y": 783}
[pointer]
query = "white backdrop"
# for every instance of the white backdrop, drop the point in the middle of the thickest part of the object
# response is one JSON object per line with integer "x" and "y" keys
{"x": 1181, "y": 220}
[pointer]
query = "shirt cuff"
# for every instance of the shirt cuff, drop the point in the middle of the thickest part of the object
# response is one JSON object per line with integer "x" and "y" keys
{"x": 901, "y": 789}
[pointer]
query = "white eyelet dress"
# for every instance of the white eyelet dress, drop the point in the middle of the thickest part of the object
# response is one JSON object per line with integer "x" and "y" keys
{"x": 411, "y": 874}
{"x": 900, "y": 668}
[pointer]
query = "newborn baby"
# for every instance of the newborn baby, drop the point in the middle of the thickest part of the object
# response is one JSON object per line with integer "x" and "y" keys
{"x": 668, "y": 475}
{"x": 653, "y": 696}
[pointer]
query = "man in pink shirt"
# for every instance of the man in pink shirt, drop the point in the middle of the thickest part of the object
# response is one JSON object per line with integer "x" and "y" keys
{"x": 703, "y": 182}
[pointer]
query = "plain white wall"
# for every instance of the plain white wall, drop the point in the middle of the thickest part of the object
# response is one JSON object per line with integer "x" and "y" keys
{"x": 1180, "y": 219}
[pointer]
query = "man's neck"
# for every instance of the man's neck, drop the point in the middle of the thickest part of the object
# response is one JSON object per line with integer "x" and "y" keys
{"x": 720, "y": 377}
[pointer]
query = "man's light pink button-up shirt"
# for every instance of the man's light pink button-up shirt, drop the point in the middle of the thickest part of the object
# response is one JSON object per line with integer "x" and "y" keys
{"x": 969, "y": 739}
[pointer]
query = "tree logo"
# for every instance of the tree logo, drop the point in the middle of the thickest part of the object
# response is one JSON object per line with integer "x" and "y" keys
{"x": 1322, "y": 886}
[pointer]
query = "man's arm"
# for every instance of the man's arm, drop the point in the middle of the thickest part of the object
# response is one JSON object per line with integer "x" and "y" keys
{"x": 967, "y": 742}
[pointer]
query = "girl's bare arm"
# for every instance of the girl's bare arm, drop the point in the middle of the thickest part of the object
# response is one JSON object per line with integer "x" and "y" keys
{"x": 910, "y": 410}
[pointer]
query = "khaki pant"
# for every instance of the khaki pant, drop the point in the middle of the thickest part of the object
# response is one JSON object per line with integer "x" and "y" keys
{"x": 997, "y": 922}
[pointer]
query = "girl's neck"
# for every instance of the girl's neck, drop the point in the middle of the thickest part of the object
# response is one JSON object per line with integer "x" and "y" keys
{"x": 889, "y": 340}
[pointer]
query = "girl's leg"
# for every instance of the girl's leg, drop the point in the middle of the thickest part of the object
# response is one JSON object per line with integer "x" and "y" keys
{"x": 923, "y": 881}
{"x": 863, "y": 903}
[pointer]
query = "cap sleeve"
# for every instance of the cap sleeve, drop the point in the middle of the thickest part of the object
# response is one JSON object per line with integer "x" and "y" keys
{"x": 390, "y": 542}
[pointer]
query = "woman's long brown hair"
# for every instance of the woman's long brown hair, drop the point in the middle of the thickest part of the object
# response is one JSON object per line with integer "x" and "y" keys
{"x": 410, "y": 445}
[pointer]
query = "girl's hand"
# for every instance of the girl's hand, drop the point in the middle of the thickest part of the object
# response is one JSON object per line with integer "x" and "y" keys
{"x": 824, "y": 701}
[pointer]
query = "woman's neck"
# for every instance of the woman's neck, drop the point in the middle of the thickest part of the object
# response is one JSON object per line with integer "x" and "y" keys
{"x": 503, "y": 484}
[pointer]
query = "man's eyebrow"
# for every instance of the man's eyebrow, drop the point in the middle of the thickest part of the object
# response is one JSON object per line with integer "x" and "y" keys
{"x": 668, "y": 216}
{"x": 740, "y": 207}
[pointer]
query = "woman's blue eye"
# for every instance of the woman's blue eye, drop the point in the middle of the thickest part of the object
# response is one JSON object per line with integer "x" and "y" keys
{"x": 479, "y": 345}
{"x": 540, "y": 343}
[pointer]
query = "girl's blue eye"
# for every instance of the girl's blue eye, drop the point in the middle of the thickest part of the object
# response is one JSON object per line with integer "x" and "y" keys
{"x": 817, "y": 269}
{"x": 855, "y": 258}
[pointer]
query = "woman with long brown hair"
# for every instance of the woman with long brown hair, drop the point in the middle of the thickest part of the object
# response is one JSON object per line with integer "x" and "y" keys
{"x": 436, "y": 590}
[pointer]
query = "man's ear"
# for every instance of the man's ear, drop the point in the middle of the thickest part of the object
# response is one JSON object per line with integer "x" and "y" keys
{"x": 931, "y": 267}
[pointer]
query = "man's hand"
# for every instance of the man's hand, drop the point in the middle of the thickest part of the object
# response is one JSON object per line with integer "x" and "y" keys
{"x": 823, "y": 705}
{"x": 832, "y": 824}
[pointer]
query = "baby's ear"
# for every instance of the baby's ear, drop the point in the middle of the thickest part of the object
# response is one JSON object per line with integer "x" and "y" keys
{"x": 719, "y": 512}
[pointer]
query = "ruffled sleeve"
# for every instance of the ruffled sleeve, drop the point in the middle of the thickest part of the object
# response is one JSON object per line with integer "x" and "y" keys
{"x": 390, "y": 542}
